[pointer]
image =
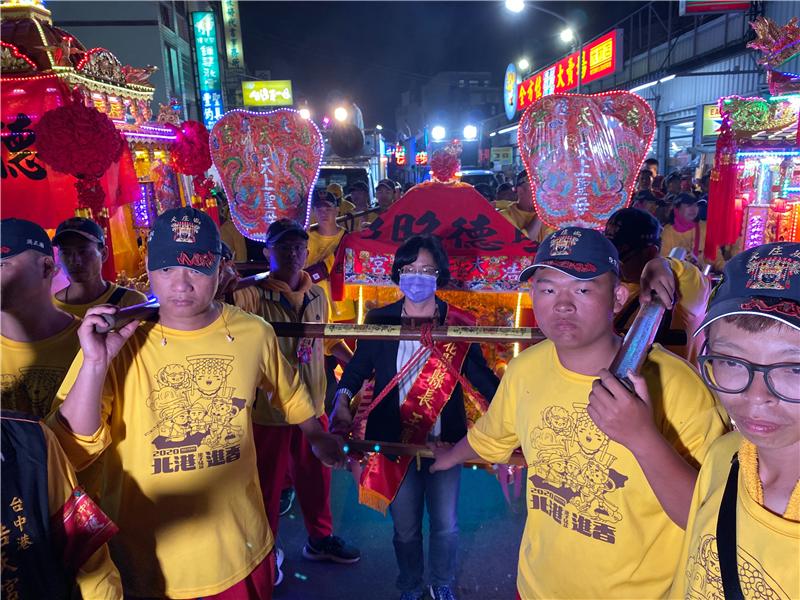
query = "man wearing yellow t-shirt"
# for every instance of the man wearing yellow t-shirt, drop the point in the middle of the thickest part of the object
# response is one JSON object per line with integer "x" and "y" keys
{"x": 683, "y": 289}
{"x": 37, "y": 340}
{"x": 169, "y": 404}
{"x": 288, "y": 295}
{"x": 323, "y": 242}
{"x": 522, "y": 214}
{"x": 81, "y": 253}
{"x": 610, "y": 473}
{"x": 743, "y": 535}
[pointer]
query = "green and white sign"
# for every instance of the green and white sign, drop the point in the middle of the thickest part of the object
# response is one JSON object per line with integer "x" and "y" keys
{"x": 267, "y": 93}
{"x": 205, "y": 47}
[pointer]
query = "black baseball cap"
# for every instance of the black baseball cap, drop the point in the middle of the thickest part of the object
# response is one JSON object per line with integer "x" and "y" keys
{"x": 763, "y": 281}
{"x": 81, "y": 226}
{"x": 575, "y": 251}
{"x": 184, "y": 237}
{"x": 283, "y": 227}
{"x": 631, "y": 229}
{"x": 19, "y": 235}
{"x": 387, "y": 183}
{"x": 359, "y": 185}
{"x": 684, "y": 198}
{"x": 522, "y": 176}
{"x": 322, "y": 196}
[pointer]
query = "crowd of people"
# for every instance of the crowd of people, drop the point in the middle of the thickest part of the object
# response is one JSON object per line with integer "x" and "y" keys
{"x": 151, "y": 460}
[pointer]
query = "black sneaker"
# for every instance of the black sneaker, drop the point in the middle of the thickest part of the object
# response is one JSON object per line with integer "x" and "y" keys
{"x": 332, "y": 548}
{"x": 287, "y": 497}
{"x": 442, "y": 592}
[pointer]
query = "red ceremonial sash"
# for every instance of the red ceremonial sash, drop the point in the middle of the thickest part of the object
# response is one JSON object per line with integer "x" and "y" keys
{"x": 382, "y": 476}
{"x": 81, "y": 528}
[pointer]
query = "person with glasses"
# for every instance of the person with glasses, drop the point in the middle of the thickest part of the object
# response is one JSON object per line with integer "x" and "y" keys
{"x": 743, "y": 534}
{"x": 418, "y": 399}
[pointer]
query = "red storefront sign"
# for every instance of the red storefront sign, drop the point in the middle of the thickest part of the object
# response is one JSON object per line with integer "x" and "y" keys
{"x": 694, "y": 7}
{"x": 600, "y": 59}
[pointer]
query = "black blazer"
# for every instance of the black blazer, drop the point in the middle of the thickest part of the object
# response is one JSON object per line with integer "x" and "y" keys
{"x": 378, "y": 358}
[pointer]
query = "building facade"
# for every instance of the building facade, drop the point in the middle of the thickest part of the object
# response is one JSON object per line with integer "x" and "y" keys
{"x": 682, "y": 66}
{"x": 143, "y": 33}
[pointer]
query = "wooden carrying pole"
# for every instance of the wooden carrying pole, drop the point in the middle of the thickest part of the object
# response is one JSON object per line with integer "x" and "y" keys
{"x": 398, "y": 449}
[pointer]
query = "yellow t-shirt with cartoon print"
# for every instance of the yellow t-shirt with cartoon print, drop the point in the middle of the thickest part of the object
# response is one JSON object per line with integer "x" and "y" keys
{"x": 178, "y": 466}
{"x": 32, "y": 372}
{"x": 767, "y": 545}
{"x": 595, "y": 529}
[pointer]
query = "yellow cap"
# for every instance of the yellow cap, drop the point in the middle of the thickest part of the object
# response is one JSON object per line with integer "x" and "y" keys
{"x": 336, "y": 190}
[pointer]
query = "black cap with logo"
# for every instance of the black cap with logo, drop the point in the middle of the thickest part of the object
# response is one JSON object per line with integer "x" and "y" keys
{"x": 323, "y": 196}
{"x": 184, "y": 237}
{"x": 19, "y": 235}
{"x": 85, "y": 228}
{"x": 763, "y": 281}
{"x": 387, "y": 183}
{"x": 631, "y": 230}
{"x": 575, "y": 251}
{"x": 283, "y": 227}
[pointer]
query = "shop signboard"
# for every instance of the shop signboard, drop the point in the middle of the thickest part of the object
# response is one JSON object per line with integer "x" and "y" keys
{"x": 712, "y": 120}
{"x": 277, "y": 92}
{"x": 502, "y": 155}
{"x": 696, "y": 7}
{"x": 510, "y": 91}
{"x": 205, "y": 46}
{"x": 233, "y": 34}
{"x": 601, "y": 58}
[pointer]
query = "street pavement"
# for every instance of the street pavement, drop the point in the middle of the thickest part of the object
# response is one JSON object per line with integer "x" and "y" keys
{"x": 490, "y": 532}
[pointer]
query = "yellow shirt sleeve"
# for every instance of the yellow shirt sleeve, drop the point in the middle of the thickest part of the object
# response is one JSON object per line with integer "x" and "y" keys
{"x": 282, "y": 383}
{"x": 97, "y": 578}
{"x": 687, "y": 413}
{"x": 82, "y": 450}
{"x": 235, "y": 241}
{"x": 494, "y": 436}
{"x": 693, "y": 290}
{"x": 247, "y": 299}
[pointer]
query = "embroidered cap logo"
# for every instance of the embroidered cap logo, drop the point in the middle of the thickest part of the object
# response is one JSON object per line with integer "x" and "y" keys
{"x": 771, "y": 272}
{"x": 185, "y": 230}
{"x": 562, "y": 244}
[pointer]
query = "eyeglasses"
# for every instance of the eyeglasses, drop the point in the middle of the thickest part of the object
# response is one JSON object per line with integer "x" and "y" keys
{"x": 734, "y": 375}
{"x": 412, "y": 270}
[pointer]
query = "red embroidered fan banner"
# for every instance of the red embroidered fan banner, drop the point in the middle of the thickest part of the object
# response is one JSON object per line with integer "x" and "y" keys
{"x": 487, "y": 253}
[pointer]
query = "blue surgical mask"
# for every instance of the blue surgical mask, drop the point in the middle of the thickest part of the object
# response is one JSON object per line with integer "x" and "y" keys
{"x": 417, "y": 287}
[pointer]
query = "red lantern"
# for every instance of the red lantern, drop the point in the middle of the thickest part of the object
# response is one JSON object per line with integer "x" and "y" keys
{"x": 82, "y": 142}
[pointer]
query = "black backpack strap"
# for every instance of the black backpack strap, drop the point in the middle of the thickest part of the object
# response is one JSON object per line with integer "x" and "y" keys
{"x": 117, "y": 295}
{"x": 726, "y": 536}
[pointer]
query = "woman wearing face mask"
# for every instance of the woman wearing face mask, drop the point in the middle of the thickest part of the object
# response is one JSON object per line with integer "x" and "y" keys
{"x": 426, "y": 404}
{"x": 687, "y": 232}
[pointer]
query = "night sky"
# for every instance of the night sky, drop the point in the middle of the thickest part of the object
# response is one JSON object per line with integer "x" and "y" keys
{"x": 370, "y": 52}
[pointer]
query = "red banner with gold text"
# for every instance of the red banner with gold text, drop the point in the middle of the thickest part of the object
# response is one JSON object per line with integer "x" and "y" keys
{"x": 487, "y": 253}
